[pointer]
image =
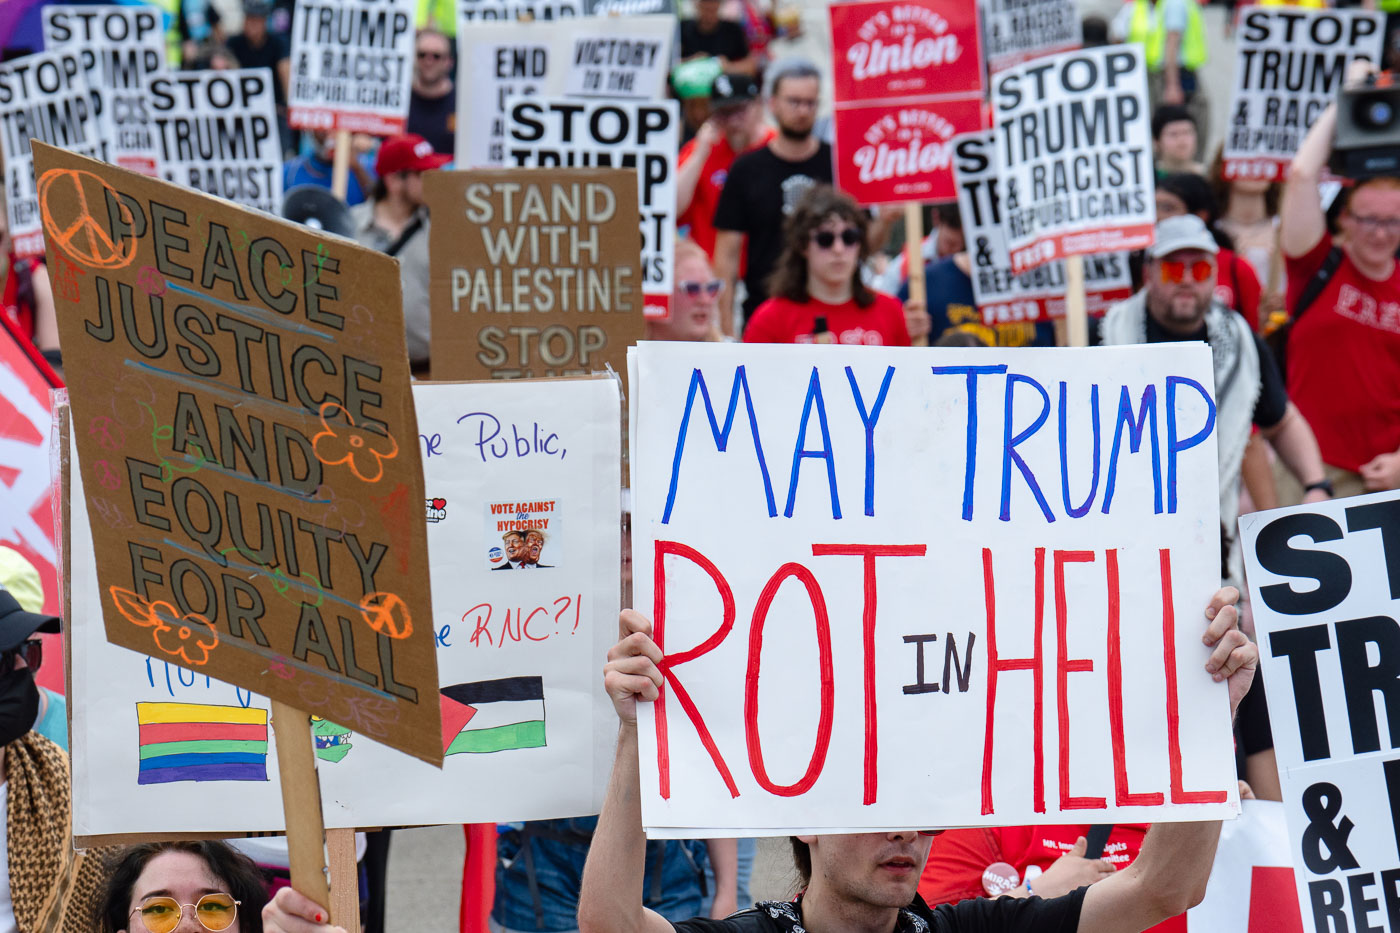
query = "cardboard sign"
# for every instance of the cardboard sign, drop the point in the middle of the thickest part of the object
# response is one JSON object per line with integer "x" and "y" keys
{"x": 613, "y": 57}
{"x": 239, "y": 399}
{"x": 122, "y": 48}
{"x": 352, "y": 65}
{"x": 477, "y": 11}
{"x": 526, "y": 724}
{"x": 217, "y": 132}
{"x": 1074, "y": 153}
{"x": 534, "y": 272}
{"x": 1289, "y": 65}
{"x": 921, "y": 61}
{"x": 1032, "y": 613}
{"x": 555, "y": 132}
{"x": 1037, "y": 294}
{"x": 1018, "y": 30}
{"x": 43, "y": 97}
{"x": 1323, "y": 586}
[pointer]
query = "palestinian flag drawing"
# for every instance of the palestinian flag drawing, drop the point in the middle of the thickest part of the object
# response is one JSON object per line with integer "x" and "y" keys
{"x": 197, "y": 742}
{"x": 493, "y": 716}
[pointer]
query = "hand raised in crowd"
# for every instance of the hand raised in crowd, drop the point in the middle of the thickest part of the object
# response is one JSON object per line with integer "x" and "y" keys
{"x": 293, "y": 912}
{"x": 1070, "y": 872}
{"x": 631, "y": 672}
{"x": 916, "y": 319}
{"x": 1382, "y": 472}
{"x": 1234, "y": 658}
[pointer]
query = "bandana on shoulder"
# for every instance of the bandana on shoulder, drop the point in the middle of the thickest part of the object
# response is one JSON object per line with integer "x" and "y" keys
{"x": 785, "y": 913}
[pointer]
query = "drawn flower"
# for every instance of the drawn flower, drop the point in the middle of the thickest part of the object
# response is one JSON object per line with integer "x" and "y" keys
{"x": 190, "y": 640}
{"x": 138, "y": 611}
{"x": 364, "y": 451}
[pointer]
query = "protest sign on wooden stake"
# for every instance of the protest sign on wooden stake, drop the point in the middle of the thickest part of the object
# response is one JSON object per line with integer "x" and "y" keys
{"x": 351, "y": 65}
{"x": 1017, "y": 30}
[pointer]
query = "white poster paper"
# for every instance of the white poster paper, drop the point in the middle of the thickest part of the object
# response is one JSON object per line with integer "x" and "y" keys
{"x": 218, "y": 134}
{"x": 614, "y": 56}
{"x": 1018, "y": 30}
{"x": 550, "y": 132}
{"x": 528, "y": 731}
{"x": 1289, "y": 65}
{"x": 1074, "y": 152}
{"x": 352, "y": 65}
{"x": 1323, "y": 583}
{"x": 1036, "y": 294}
{"x": 857, "y": 559}
{"x": 1251, "y": 881}
{"x": 487, "y": 11}
{"x": 122, "y": 48}
{"x": 44, "y": 97}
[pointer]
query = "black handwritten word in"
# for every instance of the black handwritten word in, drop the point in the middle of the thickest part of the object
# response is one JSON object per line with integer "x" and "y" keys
{"x": 491, "y": 440}
{"x": 953, "y": 667}
{"x": 530, "y": 623}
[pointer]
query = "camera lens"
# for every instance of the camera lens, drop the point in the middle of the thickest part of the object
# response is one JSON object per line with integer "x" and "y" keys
{"x": 1379, "y": 113}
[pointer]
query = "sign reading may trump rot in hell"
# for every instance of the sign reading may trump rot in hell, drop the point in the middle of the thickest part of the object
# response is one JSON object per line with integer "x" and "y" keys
{"x": 247, "y": 444}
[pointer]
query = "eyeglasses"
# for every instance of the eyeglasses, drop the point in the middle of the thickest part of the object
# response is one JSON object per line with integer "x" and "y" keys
{"x": 1384, "y": 224}
{"x": 431, "y": 56}
{"x": 693, "y": 289}
{"x": 826, "y": 239}
{"x": 32, "y": 651}
{"x": 163, "y": 914}
{"x": 1174, "y": 272}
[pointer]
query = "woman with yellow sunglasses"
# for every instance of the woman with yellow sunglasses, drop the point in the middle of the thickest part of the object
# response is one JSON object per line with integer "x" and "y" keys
{"x": 184, "y": 887}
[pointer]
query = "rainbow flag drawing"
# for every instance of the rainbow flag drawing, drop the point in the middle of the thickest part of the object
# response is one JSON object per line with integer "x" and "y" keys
{"x": 195, "y": 742}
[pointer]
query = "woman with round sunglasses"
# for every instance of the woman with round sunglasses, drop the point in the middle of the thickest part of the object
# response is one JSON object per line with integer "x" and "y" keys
{"x": 183, "y": 887}
{"x": 694, "y": 312}
{"x": 817, "y": 295}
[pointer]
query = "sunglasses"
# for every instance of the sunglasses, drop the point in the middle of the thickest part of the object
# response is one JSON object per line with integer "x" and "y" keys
{"x": 1174, "y": 272}
{"x": 32, "y": 651}
{"x": 825, "y": 239}
{"x": 693, "y": 289}
{"x": 931, "y": 832}
{"x": 163, "y": 914}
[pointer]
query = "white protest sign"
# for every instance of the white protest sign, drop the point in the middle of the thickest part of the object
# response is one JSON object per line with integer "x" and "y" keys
{"x": 1019, "y": 629}
{"x": 43, "y": 97}
{"x": 1289, "y": 65}
{"x": 614, "y": 57}
{"x": 1251, "y": 880}
{"x": 218, "y": 134}
{"x": 1036, "y": 294}
{"x": 352, "y": 65}
{"x": 1074, "y": 152}
{"x": 528, "y": 730}
{"x": 1323, "y": 580}
{"x": 478, "y": 11}
{"x": 122, "y": 48}
{"x": 551, "y": 132}
{"x": 1018, "y": 30}
{"x": 629, "y": 7}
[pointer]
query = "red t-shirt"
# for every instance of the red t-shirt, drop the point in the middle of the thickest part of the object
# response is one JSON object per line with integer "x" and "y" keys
{"x": 701, "y": 214}
{"x": 959, "y": 857}
{"x": 1237, "y": 286}
{"x": 1344, "y": 359}
{"x": 779, "y": 320}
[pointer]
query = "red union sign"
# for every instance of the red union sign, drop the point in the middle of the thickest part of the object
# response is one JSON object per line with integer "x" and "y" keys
{"x": 891, "y": 49}
{"x": 892, "y": 154}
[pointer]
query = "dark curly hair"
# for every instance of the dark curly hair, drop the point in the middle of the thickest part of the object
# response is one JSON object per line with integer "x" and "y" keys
{"x": 820, "y": 203}
{"x": 244, "y": 879}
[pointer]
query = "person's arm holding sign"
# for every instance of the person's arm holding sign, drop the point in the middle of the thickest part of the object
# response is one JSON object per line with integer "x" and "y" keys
{"x": 729, "y": 244}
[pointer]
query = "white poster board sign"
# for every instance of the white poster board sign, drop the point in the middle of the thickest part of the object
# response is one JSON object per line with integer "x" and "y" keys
{"x": 1323, "y": 583}
{"x": 1251, "y": 880}
{"x": 1019, "y": 627}
{"x": 486, "y": 11}
{"x": 122, "y": 48}
{"x": 528, "y": 730}
{"x": 218, "y": 134}
{"x": 1289, "y": 65}
{"x": 1018, "y": 30}
{"x": 44, "y": 97}
{"x": 1074, "y": 152}
{"x": 612, "y": 56}
{"x": 351, "y": 65}
{"x": 553, "y": 132}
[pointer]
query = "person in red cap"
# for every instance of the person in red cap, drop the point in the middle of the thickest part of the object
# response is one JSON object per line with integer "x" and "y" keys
{"x": 395, "y": 221}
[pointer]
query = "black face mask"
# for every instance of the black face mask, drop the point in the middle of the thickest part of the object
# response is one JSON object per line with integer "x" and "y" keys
{"x": 19, "y": 704}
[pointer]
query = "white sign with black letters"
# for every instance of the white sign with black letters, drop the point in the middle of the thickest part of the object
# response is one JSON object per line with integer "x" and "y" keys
{"x": 488, "y": 11}
{"x": 351, "y": 65}
{"x": 553, "y": 132}
{"x": 1323, "y": 581}
{"x": 218, "y": 134}
{"x": 1074, "y": 152}
{"x": 122, "y": 47}
{"x": 1018, "y": 30}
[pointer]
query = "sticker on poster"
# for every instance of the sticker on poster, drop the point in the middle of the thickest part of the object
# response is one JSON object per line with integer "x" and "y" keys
{"x": 523, "y": 534}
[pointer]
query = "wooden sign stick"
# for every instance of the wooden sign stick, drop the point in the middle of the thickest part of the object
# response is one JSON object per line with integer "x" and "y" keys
{"x": 340, "y": 167}
{"x": 1076, "y": 314}
{"x": 301, "y": 801}
{"x": 345, "y": 878}
{"x": 914, "y": 257}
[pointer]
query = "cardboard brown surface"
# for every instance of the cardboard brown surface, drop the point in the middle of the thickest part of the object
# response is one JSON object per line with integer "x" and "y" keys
{"x": 534, "y": 272}
{"x": 240, "y": 397}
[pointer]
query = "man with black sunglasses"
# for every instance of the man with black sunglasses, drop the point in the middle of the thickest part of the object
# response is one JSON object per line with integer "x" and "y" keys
{"x": 432, "y": 106}
{"x": 1177, "y": 302}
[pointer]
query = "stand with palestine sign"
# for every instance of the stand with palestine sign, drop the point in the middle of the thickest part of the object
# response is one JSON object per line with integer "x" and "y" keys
{"x": 1073, "y": 150}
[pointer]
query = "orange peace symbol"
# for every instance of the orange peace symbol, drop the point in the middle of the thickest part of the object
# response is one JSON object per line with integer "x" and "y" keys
{"x": 82, "y": 236}
{"x": 387, "y": 614}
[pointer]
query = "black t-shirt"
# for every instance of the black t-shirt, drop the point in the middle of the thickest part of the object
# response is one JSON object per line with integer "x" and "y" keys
{"x": 759, "y": 193}
{"x": 434, "y": 118}
{"x": 975, "y": 915}
{"x": 267, "y": 55}
{"x": 727, "y": 41}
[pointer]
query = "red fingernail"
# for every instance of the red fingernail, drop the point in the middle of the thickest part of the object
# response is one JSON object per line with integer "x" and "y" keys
{"x": 319, "y": 918}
